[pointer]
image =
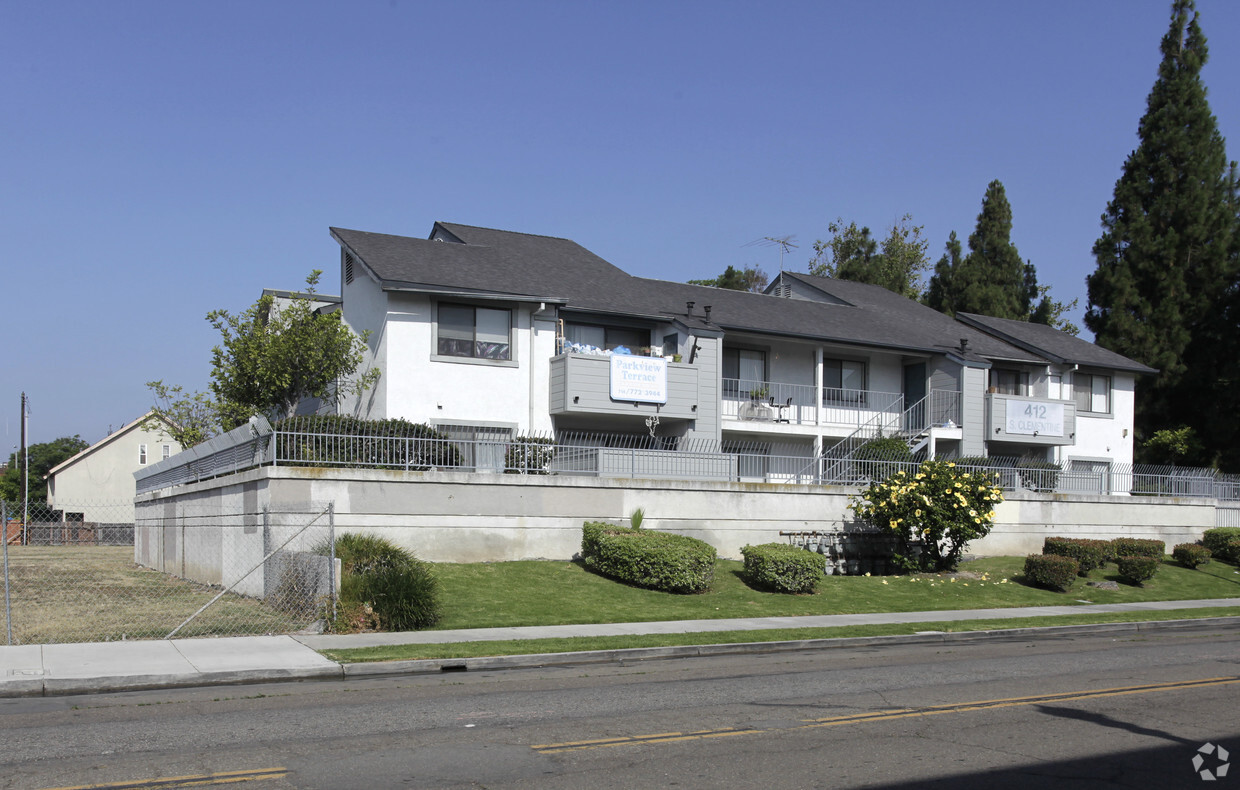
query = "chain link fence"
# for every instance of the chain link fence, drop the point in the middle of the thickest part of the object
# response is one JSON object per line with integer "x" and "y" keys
{"x": 180, "y": 571}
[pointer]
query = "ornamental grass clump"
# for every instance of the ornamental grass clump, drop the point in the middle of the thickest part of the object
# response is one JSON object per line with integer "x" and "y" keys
{"x": 779, "y": 567}
{"x": 933, "y": 513}
{"x": 386, "y": 581}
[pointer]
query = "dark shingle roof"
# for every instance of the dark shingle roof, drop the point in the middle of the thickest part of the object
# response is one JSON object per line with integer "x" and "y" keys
{"x": 1053, "y": 344}
{"x": 544, "y": 267}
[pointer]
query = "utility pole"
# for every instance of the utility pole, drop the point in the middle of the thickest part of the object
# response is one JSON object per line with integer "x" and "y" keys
{"x": 25, "y": 469}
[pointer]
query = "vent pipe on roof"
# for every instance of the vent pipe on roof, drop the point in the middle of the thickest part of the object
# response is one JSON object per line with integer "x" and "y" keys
{"x": 707, "y": 308}
{"x": 964, "y": 344}
{"x": 689, "y": 308}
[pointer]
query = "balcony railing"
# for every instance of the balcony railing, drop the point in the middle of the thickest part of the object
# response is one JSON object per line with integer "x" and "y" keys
{"x": 805, "y": 404}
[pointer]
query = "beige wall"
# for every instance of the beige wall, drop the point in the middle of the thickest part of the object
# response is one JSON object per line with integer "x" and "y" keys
{"x": 459, "y": 517}
{"x": 100, "y": 483}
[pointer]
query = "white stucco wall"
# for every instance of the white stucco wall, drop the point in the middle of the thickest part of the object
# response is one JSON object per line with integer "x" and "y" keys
{"x": 1107, "y": 435}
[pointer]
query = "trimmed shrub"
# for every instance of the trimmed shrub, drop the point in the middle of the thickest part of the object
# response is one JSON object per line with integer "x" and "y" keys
{"x": 400, "y": 590}
{"x": 1216, "y": 540}
{"x": 1089, "y": 554}
{"x": 879, "y": 457}
{"x": 1052, "y": 571}
{"x": 341, "y": 440}
{"x": 1038, "y": 474}
{"x": 782, "y": 568}
{"x": 1138, "y": 547}
{"x": 1230, "y": 551}
{"x": 646, "y": 558}
{"x": 1137, "y": 570}
{"x": 1191, "y": 555}
{"x": 529, "y": 455}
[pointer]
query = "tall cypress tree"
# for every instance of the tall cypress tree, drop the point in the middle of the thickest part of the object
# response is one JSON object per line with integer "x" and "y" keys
{"x": 1166, "y": 254}
{"x": 991, "y": 279}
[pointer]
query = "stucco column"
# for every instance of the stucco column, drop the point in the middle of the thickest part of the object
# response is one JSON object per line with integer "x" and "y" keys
{"x": 818, "y": 392}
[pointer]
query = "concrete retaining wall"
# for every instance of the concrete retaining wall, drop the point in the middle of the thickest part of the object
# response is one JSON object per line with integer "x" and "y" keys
{"x": 460, "y": 517}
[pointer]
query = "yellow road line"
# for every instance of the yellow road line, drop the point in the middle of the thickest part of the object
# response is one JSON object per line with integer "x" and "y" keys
{"x": 225, "y": 777}
{"x": 884, "y": 715}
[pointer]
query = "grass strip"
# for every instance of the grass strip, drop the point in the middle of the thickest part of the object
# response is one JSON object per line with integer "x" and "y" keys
{"x": 573, "y": 644}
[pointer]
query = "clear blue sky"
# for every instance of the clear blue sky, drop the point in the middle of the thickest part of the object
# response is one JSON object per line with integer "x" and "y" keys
{"x": 163, "y": 159}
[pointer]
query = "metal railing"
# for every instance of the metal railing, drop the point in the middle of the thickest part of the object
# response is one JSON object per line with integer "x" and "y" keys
{"x": 657, "y": 457}
{"x": 805, "y": 404}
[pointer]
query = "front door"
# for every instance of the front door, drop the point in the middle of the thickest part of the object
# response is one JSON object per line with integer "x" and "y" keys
{"x": 915, "y": 419}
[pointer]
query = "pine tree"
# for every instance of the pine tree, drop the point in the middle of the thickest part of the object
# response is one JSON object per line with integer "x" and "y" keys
{"x": 1166, "y": 255}
{"x": 992, "y": 279}
{"x": 941, "y": 293}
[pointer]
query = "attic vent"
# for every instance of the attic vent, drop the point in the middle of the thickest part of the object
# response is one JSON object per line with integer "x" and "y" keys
{"x": 348, "y": 268}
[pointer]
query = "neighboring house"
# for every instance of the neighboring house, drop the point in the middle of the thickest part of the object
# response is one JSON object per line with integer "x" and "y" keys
{"x": 490, "y": 334}
{"x": 97, "y": 485}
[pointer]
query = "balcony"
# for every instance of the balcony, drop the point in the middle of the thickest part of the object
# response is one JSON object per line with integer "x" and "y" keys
{"x": 748, "y": 400}
{"x": 582, "y": 384}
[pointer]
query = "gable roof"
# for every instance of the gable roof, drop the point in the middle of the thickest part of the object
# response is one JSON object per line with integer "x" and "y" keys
{"x": 466, "y": 259}
{"x": 105, "y": 441}
{"x": 1053, "y": 344}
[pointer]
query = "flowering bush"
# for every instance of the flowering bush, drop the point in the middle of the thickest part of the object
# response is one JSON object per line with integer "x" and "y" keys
{"x": 933, "y": 512}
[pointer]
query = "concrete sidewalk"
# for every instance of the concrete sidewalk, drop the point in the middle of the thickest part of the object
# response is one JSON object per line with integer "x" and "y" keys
{"x": 35, "y": 670}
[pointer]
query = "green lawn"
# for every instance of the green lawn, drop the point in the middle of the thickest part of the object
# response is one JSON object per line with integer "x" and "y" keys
{"x": 513, "y": 647}
{"x": 484, "y": 595}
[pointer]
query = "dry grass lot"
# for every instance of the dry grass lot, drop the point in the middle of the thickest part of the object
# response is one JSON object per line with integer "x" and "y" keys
{"x": 98, "y": 594}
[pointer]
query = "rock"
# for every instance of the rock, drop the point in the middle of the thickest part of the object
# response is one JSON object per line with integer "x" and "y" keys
{"x": 1104, "y": 585}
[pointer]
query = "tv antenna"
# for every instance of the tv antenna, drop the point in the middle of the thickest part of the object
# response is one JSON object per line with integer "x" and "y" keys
{"x": 785, "y": 243}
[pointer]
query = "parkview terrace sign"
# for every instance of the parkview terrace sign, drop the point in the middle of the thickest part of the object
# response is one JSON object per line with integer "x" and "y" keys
{"x": 638, "y": 379}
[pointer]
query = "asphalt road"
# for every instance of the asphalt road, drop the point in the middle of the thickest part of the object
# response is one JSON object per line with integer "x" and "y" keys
{"x": 1063, "y": 712}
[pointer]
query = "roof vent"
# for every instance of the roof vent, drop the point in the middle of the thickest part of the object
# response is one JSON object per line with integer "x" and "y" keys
{"x": 964, "y": 344}
{"x": 707, "y": 308}
{"x": 348, "y": 268}
{"x": 689, "y": 308}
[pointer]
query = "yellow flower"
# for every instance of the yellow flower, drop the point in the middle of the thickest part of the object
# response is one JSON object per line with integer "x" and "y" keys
{"x": 953, "y": 580}
{"x": 884, "y": 581}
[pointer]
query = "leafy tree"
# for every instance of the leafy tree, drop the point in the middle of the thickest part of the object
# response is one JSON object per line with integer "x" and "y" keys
{"x": 751, "y": 278}
{"x": 273, "y": 356}
{"x": 43, "y": 458}
{"x": 898, "y": 263}
{"x": 188, "y": 417}
{"x": 1167, "y": 258}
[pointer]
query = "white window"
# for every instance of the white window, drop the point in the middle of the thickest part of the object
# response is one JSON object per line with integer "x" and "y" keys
{"x": 1092, "y": 393}
{"x": 142, "y": 453}
{"x": 1054, "y": 387}
{"x": 167, "y": 451}
{"x": 478, "y": 332}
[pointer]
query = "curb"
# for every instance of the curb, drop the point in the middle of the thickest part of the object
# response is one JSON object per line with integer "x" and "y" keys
{"x": 47, "y": 687}
{"x": 537, "y": 660}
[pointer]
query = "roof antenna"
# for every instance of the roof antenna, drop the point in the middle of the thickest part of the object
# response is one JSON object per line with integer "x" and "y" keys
{"x": 784, "y": 242}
